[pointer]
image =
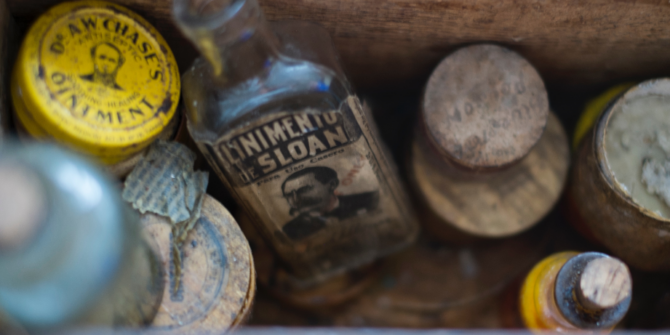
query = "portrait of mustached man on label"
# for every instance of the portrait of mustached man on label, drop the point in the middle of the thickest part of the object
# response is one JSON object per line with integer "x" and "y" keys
{"x": 311, "y": 194}
{"x": 107, "y": 60}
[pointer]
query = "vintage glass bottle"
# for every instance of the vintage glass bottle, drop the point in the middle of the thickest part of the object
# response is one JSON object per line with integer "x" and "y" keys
{"x": 273, "y": 114}
{"x": 71, "y": 251}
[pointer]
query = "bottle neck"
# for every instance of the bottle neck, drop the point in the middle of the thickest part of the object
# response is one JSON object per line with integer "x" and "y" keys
{"x": 232, "y": 36}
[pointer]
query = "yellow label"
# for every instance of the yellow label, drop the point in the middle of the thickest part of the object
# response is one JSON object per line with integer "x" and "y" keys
{"x": 97, "y": 77}
{"x": 593, "y": 109}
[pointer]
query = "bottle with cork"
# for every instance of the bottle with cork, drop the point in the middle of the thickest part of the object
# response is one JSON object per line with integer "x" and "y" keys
{"x": 576, "y": 292}
{"x": 71, "y": 251}
{"x": 618, "y": 192}
{"x": 488, "y": 161}
{"x": 281, "y": 127}
{"x": 97, "y": 78}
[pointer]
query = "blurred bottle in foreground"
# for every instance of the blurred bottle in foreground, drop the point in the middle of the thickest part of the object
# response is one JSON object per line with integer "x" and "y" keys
{"x": 70, "y": 250}
{"x": 279, "y": 123}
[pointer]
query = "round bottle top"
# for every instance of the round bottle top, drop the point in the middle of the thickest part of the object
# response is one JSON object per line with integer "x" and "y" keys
{"x": 633, "y": 145}
{"x": 97, "y": 77}
{"x": 484, "y": 107}
{"x": 22, "y": 204}
{"x": 593, "y": 290}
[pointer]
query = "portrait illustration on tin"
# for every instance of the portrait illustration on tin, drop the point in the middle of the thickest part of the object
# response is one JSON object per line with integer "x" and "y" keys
{"x": 313, "y": 201}
{"x": 107, "y": 60}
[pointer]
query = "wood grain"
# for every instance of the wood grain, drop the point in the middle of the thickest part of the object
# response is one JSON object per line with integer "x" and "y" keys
{"x": 494, "y": 204}
{"x": 395, "y": 42}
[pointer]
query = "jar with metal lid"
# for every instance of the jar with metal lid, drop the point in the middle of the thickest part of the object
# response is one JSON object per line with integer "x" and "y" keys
{"x": 97, "y": 78}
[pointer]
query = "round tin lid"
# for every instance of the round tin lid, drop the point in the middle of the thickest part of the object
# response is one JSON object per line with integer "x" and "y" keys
{"x": 218, "y": 281}
{"x": 98, "y": 77}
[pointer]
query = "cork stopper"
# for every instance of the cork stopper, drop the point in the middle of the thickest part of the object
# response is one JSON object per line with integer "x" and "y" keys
{"x": 485, "y": 107}
{"x": 22, "y": 204}
{"x": 604, "y": 283}
{"x": 593, "y": 290}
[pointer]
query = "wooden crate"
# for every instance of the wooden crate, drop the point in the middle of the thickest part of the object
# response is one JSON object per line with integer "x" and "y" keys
{"x": 389, "y": 47}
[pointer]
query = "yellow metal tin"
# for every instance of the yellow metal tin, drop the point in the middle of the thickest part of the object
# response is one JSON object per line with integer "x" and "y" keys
{"x": 96, "y": 77}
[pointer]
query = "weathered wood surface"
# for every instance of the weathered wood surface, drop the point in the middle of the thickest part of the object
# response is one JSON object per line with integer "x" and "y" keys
{"x": 391, "y": 42}
{"x": 497, "y": 204}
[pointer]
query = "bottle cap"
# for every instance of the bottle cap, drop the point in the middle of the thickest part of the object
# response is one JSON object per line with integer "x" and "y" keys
{"x": 97, "y": 77}
{"x": 485, "y": 107}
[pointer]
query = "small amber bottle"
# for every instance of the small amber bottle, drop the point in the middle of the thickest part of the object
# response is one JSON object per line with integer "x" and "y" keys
{"x": 574, "y": 292}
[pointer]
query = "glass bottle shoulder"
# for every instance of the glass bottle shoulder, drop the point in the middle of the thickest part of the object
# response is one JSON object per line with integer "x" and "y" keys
{"x": 215, "y": 106}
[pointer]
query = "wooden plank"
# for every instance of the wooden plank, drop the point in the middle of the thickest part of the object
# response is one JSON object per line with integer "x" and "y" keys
{"x": 574, "y": 42}
{"x": 397, "y": 42}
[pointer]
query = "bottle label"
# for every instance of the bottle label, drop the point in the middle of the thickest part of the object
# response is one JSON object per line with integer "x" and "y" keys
{"x": 319, "y": 186}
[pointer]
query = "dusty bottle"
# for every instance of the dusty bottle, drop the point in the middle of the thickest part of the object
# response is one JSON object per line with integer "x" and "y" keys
{"x": 281, "y": 126}
{"x": 71, "y": 252}
{"x": 576, "y": 292}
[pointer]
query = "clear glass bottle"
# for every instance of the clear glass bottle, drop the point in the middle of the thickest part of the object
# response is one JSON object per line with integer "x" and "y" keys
{"x": 273, "y": 114}
{"x": 71, "y": 251}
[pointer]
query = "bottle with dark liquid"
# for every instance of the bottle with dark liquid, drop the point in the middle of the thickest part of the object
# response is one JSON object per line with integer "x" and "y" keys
{"x": 279, "y": 123}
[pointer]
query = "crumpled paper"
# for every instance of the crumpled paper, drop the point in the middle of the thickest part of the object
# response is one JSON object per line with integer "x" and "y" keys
{"x": 164, "y": 183}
